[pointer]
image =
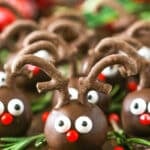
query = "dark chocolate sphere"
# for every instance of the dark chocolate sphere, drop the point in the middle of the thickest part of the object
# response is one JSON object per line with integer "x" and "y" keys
{"x": 15, "y": 113}
{"x": 136, "y": 113}
{"x": 76, "y": 126}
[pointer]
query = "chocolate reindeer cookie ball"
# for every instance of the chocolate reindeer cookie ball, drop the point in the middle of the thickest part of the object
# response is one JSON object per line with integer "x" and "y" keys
{"x": 15, "y": 113}
{"x": 73, "y": 125}
{"x": 136, "y": 113}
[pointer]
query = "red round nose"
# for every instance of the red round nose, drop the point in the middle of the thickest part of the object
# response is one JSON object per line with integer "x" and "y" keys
{"x": 101, "y": 77}
{"x": 45, "y": 116}
{"x": 34, "y": 69}
{"x": 132, "y": 86}
{"x": 6, "y": 119}
{"x": 144, "y": 119}
{"x": 72, "y": 136}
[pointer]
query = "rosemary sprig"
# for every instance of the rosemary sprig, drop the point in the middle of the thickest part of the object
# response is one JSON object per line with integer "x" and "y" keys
{"x": 3, "y": 55}
{"x": 20, "y": 143}
{"x": 117, "y": 95}
{"x": 41, "y": 102}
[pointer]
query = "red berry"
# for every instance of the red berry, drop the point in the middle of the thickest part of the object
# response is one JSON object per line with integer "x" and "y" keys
{"x": 6, "y": 17}
{"x": 72, "y": 136}
{"x": 44, "y": 116}
{"x": 114, "y": 117}
{"x": 145, "y": 119}
{"x": 132, "y": 86}
{"x": 6, "y": 119}
{"x": 101, "y": 77}
{"x": 118, "y": 148}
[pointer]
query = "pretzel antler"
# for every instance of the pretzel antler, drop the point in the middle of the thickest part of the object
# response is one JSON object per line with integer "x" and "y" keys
{"x": 109, "y": 46}
{"x": 15, "y": 28}
{"x": 75, "y": 29}
{"x": 141, "y": 31}
{"x": 110, "y": 60}
{"x": 91, "y": 82}
{"x": 57, "y": 82}
{"x": 40, "y": 45}
{"x": 40, "y": 35}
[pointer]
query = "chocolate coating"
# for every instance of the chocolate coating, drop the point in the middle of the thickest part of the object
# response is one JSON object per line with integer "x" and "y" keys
{"x": 92, "y": 140}
{"x": 130, "y": 122}
{"x": 21, "y": 122}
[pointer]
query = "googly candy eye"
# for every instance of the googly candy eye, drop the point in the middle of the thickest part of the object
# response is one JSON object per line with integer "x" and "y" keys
{"x": 92, "y": 96}
{"x": 83, "y": 124}
{"x": 145, "y": 52}
{"x": 148, "y": 107}
{"x": 62, "y": 124}
{"x": 2, "y": 78}
{"x": 138, "y": 106}
{"x": 110, "y": 71}
{"x": 73, "y": 93}
{"x": 42, "y": 54}
{"x": 15, "y": 107}
{"x": 2, "y": 108}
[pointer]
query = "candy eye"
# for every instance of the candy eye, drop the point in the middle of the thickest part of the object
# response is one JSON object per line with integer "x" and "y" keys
{"x": 83, "y": 124}
{"x": 15, "y": 107}
{"x": 62, "y": 124}
{"x": 145, "y": 52}
{"x": 138, "y": 106}
{"x": 148, "y": 107}
{"x": 92, "y": 96}
{"x": 110, "y": 71}
{"x": 2, "y": 108}
{"x": 2, "y": 78}
{"x": 73, "y": 93}
{"x": 42, "y": 54}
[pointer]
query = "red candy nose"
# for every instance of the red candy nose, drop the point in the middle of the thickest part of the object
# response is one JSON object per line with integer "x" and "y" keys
{"x": 72, "y": 136}
{"x": 35, "y": 70}
{"x": 101, "y": 77}
{"x": 145, "y": 119}
{"x": 6, "y": 119}
{"x": 45, "y": 115}
{"x": 132, "y": 86}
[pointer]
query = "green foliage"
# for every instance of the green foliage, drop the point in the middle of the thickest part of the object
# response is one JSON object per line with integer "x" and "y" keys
{"x": 21, "y": 143}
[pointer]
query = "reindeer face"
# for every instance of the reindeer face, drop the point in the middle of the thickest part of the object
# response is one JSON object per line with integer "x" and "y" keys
{"x": 136, "y": 113}
{"x": 74, "y": 124}
{"x": 15, "y": 113}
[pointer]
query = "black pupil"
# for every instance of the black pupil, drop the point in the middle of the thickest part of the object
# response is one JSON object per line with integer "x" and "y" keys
{"x": 3, "y": 79}
{"x": 61, "y": 123}
{"x": 89, "y": 96}
{"x": 17, "y": 107}
{"x": 136, "y": 106}
{"x": 84, "y": 123}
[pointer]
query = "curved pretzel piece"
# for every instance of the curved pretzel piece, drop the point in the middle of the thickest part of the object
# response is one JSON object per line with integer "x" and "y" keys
{"x": 16, "y": 27}
{"x": 57, "y": 82}
{"x": 137, "y": 27}
{"x": 109, "y": 46}
{"x": 48, "y": 68}
{"x": 40, "y": 35}
{"x": 130, "y": 40}
{"x": 40, "y": 45}
{"x": 140, "y": 30}
{"x": 128, "y": 64}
